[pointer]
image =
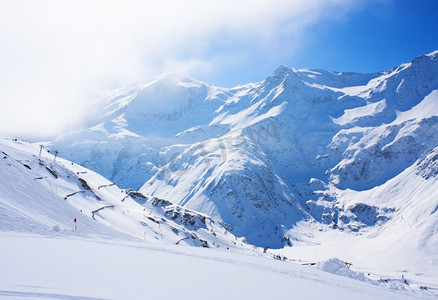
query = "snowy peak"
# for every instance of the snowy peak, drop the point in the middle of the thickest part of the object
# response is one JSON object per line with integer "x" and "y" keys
{"x": 167, "y": 97}
{"x": 164, "y": 107}
{"x": 408, "y": 84}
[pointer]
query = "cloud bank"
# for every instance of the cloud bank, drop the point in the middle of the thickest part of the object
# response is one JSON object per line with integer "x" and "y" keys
{"x": 56, "y": 54}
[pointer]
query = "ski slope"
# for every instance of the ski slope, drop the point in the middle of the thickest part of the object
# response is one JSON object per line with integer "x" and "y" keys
{"x": 45, "y": 194}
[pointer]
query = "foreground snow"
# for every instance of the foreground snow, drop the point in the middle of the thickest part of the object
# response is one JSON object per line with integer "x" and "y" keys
{"x": 42, "y": 267}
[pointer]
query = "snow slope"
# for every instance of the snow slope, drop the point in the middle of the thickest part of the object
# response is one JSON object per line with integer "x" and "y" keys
{"x": 394, "y": 230}
{"x": 43, "y": 194}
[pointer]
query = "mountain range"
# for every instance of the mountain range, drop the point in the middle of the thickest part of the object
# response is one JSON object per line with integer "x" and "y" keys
{"x": 263, "y": 157}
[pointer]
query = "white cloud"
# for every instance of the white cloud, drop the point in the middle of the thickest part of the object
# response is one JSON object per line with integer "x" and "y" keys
{"x": 54, "y": 54}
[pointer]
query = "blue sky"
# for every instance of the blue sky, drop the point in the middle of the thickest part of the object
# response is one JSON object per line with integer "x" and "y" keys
{"x": 373, "y": 39}
{"x": 55, "y": 55}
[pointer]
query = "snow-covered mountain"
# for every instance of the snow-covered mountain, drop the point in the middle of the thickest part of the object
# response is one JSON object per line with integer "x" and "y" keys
{"x": 44, "y": 194}
{"x": 323, "y": 166}
{"x": 263, "y": 157}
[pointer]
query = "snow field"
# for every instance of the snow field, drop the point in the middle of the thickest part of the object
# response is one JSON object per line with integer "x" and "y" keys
{"x": 40, "y": 267}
